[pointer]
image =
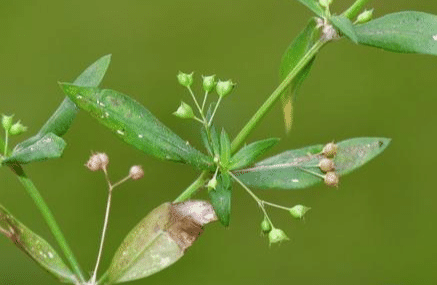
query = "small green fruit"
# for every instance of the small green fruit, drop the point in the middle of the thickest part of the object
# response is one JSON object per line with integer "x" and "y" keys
{"x": 185, "y": 79}
{"x": 299, "y": 211}
{"x": 266, "y": 227}
{"x": 7, "y": 122}
{"x": 209, "y": 82}
{"x": 325, "y": 3}
{"x": 223, "y": 88}
{"x": 17, "y": 129}
{"x": 184, "y": 111}
{"x": 364, "y": 17}
{"x": 212, "y": 184}
{"x": 277, "y": 235}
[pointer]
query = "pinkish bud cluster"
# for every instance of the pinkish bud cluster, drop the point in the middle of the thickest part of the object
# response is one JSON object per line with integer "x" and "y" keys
{"x": 136, "y": 172}
{"x": 98, "y": 161}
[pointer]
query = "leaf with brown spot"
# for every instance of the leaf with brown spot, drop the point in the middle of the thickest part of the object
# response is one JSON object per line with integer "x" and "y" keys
{"x": 35, "y": 247}
{"x": 159, "y": 240}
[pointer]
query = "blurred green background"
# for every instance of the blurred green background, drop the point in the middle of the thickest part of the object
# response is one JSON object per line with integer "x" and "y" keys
{"x": 377, "y": 228}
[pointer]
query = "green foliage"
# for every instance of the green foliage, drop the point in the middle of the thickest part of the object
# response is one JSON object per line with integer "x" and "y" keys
{"x": 135, "y": 125}
{"x": 345, "y": 26}
{"x": 159, "y": 240}
{"x": 61, "y": 120}
{"x": 47, "y": 147}
{"x": 221, "y": 198}
{"x": 294, "y": 53}
{"x": 404, "y": 32}
{"x": 250, "y": 153}
{"x": 314, "y": 6}
{"x": 225, "y": 149}
{"x": 35, "y": 247}
{"x": 296, "y": 169}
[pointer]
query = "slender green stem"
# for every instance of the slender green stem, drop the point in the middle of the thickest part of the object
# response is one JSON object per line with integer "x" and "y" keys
{"x": 353, "y": 10}
{"x": 215, "y": 110}
{"x": 48, "y": 217}
{"x": 276, "y": 205}
{"x": 5, "y": 152}
{"x": 204, "y": 100}
{"x": 269, "y": 103}
{"x": 195, "y": 101}
{"x": 199, "y": 182}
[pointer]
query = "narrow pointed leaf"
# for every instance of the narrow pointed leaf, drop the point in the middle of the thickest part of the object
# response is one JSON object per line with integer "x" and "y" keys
{"x": 61, "y": 120}
{"x": 296, "y": 169}
{"x": 294, "y": 53}
{"x": 215, "y": 140}
{"x": 221, "y": 198}
{"x": 225, "y": 149}
{"x": 134, "y": 124}
{"x": 404, "y": 32}
{"x": 35, "y": 247}
{"x": 250, "y": 153}
{"x": 159, "y": 240}
{"x": 345, "y": 26}
{"x": 47, "y": 147}
{"x": 314, "y": 6}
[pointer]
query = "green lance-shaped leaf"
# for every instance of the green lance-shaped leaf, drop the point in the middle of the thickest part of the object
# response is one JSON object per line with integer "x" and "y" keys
{"x": 251, "y": 152}
{"x": 159, "y": 240}
{"x": 404, "y": 32}
{"x": 221, "y": 198}
{"x": 63, "y": 117}
{"x": 294, "y": 53}
{"x": 47, "y": 147}
{"x": 291, "y": 169}
{"x": 35, "y": 247}
{"x": 314, "y": 6}
{"x": 345, "y": 26}
{"x": 225, "y": 149}
{"x": 134, "y": 124}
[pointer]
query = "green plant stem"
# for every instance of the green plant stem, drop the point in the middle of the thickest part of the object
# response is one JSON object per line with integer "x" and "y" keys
{"x": 353, "y": 10}
{"x": 270, "y": 102}
{"x": 5, "y": 152}
{"x": 199, "y": 182}
{"x": 47, "y": 215}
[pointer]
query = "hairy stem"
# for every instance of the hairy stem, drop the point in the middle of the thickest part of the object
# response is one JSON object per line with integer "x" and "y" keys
{"x": 270, "y": 102}
{"x": 353, "y": 10}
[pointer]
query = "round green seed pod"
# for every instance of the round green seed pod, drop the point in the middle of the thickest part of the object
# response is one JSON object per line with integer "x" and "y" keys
{"x": 266, "y": 227}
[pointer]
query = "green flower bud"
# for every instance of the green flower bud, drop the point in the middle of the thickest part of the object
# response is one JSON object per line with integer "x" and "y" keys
{"x": 326, "y": 165}
{"x": 185, "y": 79}
{"x": 330, "y": 149}
{"x": 299, "y": 211}
{"x": 223, "y": 88}
{"x": 17, "y": 129}
{"x": 184, "y": 111}
{"x": 266, "y": 227}
{"x": 209, "y": 83}
{"x": 277, "y": 235}
{"x": 7, "y": 122}
{"x": 325, "y": 3}
{"x": 364, "y": 17}
{"x": 212, "y": 184}
{"x": 331, "y": 179}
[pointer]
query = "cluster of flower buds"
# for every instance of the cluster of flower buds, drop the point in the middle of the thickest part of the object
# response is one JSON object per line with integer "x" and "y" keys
{"x": 12, "y": 128}
{"x": 327, "y": 166}
{"x": 274, "y": 235}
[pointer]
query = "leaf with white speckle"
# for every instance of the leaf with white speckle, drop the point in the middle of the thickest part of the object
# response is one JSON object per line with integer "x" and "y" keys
{"x": 404, "y": 32}
{"x": 35, "y": 247}
{"x": 47, "y": 147}
{"x": 159, "y": 240}
{"x": 294, "y": 169}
